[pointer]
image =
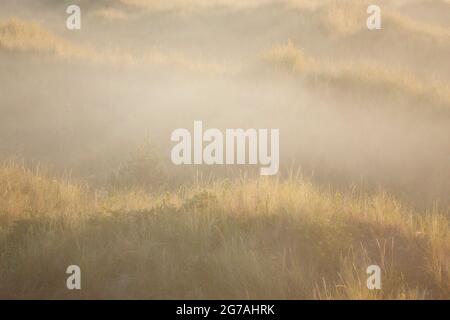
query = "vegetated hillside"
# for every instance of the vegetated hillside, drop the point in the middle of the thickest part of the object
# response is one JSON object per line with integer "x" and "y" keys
{"x": 370, "y": 78}
{"x": 247, "y": 238}
{"x": 27, "y": 37}
{"x": 351, "y": 105}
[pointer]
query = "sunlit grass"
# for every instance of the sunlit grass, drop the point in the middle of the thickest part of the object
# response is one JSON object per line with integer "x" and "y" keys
{"x": 361, "y": 77}
{"x": 18, "y": 35}
{"x": 247, "y": 238}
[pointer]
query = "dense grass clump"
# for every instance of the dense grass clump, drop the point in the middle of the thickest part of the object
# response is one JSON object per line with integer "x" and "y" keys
{"x": 241, "y": 239}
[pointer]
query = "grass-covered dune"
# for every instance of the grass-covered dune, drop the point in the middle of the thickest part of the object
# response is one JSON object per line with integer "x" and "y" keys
{"x": 231, "y": 239}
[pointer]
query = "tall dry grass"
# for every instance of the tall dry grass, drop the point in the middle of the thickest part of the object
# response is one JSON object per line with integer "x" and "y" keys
{"x": 243, "y": 238}
{"x": 247, "y": 238}
{"x": 348, "y": 17}
{"x": 22, "y": 36}
{"x": 366, "y": 77}
{"x": 26, "y": 36}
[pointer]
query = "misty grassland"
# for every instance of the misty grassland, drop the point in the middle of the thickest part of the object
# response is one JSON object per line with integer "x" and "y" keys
{"x": 86, "y": 176}
{"x": 243, "y": 239}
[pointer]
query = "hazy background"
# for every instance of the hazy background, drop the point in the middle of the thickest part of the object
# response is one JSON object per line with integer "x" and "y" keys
{"x": 353, "y": 106}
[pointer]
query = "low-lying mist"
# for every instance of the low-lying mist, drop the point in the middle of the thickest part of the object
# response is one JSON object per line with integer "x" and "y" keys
{"x": 372, "y": 110}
